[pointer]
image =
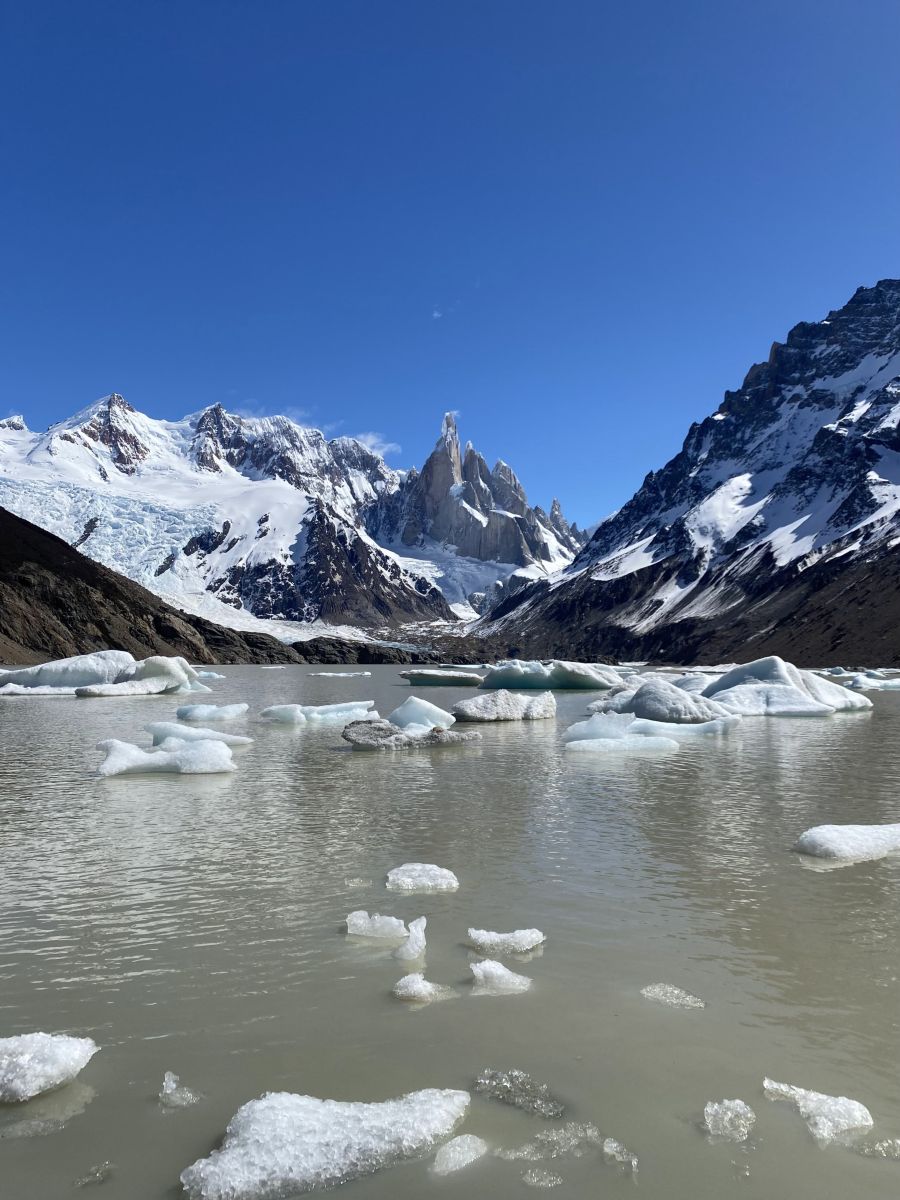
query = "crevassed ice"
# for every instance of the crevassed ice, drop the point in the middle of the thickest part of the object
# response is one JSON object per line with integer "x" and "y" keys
{"x": 828, "y": 1118}
{"x": 414, "y": 946}
{"x": 328, "y": 714}
{"x": 675, "y": 997}
{"x": 174, "y": 757}
{"x": 493, "y": 979}
{"x": 161, "y": 730}
{"x": 518, "y": 941}
{"x": 210, "y": 712}
{"x": 502, "y": 705}
{"x": 32, "y": 1063}
{"x": 728, "y": 1119}
{"x": 284, "y": 1144}
{"x": 417, "y": 988}
{"x": 851, "y": 843}
{"x": 417, "y": 712}
{"x": 360, "y": 924}
{"x": 459, "y": 1152}
{"x": 421, "y": 877}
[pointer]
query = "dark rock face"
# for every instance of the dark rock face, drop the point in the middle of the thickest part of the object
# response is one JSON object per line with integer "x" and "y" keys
{"x": 456, "y": 500}
{"x": 793, "y": 481}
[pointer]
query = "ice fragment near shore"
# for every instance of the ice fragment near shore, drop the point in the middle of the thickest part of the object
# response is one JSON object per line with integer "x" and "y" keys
{"x": 360, "y": 924}
{"x": 674, "y": 997}
{"x": 162, "y": 730}
{"x": 849, "y": 843}
{"x": 173, "y": 1094}
{"x": 502, "y": 705}
{"x": 459, "y": 1152}
{"x": 414, "y": 946}
{"x": 730, "y": 1120}
{"x": 519, "y": 941}
{"x": 493, "y": 979}
{"x": 211, "y": 712}
{"x": 520, "y": 1090}
{"x": 174, "y": 757}
{"x": 421, "y": 877}
{"x": 829, "y": 1118}
{"x": 32, "y": 1063}
{"x": 516, "y": 673}
{"x": 283, "y": 1144}
{"x": 326, "y": 714}
{"x": 416, "y": 988}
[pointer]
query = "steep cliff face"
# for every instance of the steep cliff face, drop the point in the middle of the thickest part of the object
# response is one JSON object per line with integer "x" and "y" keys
{"x": 797, "y": 469}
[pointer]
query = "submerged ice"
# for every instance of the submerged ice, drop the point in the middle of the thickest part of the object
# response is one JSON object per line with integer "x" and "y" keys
{"x": 520, "y": 1090}
{"x": 459, "y": 1152}
{"x": 376, "y": 734}
{"x": 730, "y": 1120}
{"x": 211, "y": 712}
{"x": 674, "y": 997}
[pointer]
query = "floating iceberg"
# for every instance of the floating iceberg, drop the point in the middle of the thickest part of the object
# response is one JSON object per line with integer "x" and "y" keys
{"x": 772, "y": 687}
{"x": 32, "y": 1063}
{"x": 520, "y": 1090}
{"x": 438, "y": 678}
{"x": 173, "y": 1094}
{"x": 103, "y": 673}
{"x": 493, "y": 979}
{"x": 174, "y": 757}
{"x": 327, "y": 714}
{"x": 608, "y": 726}
{"x": 414, "y": 946}
{"x": 679, "y": 730}
{"x": 520, "y": 941}
{"x": 210, "y": 712}
{"x": 459, "y": 1152}
{"x": 151, "y": 677}
{"x": 630, "y": 744}
{"x": 660, "y": 700}
{"x": 416, "y": 988}
{"x": 376, "y": 734}
{"x": 421, "y": 877}
{"x": 828, "y": 1118}
{"x": 516, "y": 673}
{"x": 284, "y": 1144}
{"x": 210, "y": 675}
{"x": 675, "y": 997}
{"x": 360, "y": 924}
{"x": 339, "y": 674}
{"x": 849, "y": 843}
{"x": 162, "y": 730}
{"x": 415, "y": 714}
{"x": 502, "y": 705}
{"x": 730, "y": 1120}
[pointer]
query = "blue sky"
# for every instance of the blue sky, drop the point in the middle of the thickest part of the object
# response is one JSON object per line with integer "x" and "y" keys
{"x": 573, "y": 223}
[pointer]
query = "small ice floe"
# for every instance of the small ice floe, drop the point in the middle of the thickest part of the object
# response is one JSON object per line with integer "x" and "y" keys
{"x": 829, "y": 1118}
{"x": 849, "y": 843}
{"x": 210, "y": 675}
{"x": 376, "y": 734}
{"x": 516, "y": 673}
{"x": 493, "y": 979}
{"x": 151, "y": 677}
{"x": 541, "y": 1177}
{"x": 772, "y": 687}
{"x": 610, "y": 733}
{"x": 273, "y": 666}
{"x": 173, "y": 757}
{"x": 162, "y": 730}
{"x": 358, "y": 881}
{"x": 415, "y": 715}
{"x": 459, "y": 1152}
{"x": 439, "y": 678}
{"x": 32, "y": 1063}
{"x": 103, "y": 673}
{"x": 728, "y": 1120}
{"x": 283, "y": 1144}
{"x": 502, "y": 705}
{"x": 339, "y": 674}
{"x": 520, "y": 1090}
{"x": 325, "y": 714}
{"x": 173, "y": 1094}
{"x": 360, "y": 924}
{"x": 519, "y": 941}
{"x": 674, "y": 997}
{"x": 416, "y": 988}
{"x": 572, "y": 1140}
{"x": 210, "y": 712}
{"x": 421, "y": 877}
{"x": 615, "y": 1153}
{"x": 414, "y": 946}
{"x": 100, "y": 1172}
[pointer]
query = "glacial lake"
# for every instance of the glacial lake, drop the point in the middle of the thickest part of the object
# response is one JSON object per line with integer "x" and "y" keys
{"x": 195, "y": 925}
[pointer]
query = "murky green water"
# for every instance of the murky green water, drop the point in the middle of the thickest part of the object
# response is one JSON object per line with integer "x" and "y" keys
{"x": 195, "y": 925}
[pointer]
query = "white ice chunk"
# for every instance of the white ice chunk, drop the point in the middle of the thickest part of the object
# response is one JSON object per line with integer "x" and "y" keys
{"x": 678, "y": 730}
{"x": 210, "y": 712}
{"x": 174, "y": 757}
{"x": 421, "y": 877}
{"x": 173, "y": 1093}
{"x": 516, "y": 673}
{"x": 376, "y": 734}
{"x": 650, "y": 747}
{"x": 150, "y": 677}
{"x": 152, "y": 686}
{"x": 493, "y": 979}
{"x": 420, "y": 712}
{"x": 339, "y": 674}
{"x": 437, "y": 678}
{"x": 416, "y": 988}
{"x": 730, "y": 1120}
{"x": 326, "y": 714}
{"x": 661, "y": 700}
{"x": 849, "y": 843}
{"x": 360, "y": 924}
{"x": 772, "y": 687}
{"x": 283, "y": 1144}
{"x": 827, "y": 1117}
{"x": 459, "y": 1152}
{"x": 161, "y": 730}
{"x": 675, "y": 997}
{"x": 519, "y": 941}
{"x": 607, "y": 725}
{"x": 501, "y": 705}
{"x": 32, "y": 1063}
{"x": 66, "y": 674}
{"x": 210, "y": 675}
{"x": 414, "y": 946}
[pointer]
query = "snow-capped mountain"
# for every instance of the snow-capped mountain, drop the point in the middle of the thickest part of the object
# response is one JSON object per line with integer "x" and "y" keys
{"x": 242, "y": 518}
{"x": 794, "y": 478}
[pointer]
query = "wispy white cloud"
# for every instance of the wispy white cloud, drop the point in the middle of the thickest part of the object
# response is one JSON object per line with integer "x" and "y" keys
{"x": 378, "y": 443}
{"x": 436, "y": 314}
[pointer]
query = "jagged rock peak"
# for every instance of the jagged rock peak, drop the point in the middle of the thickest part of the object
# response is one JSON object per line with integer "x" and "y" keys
{"x": 16, "y": 421}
